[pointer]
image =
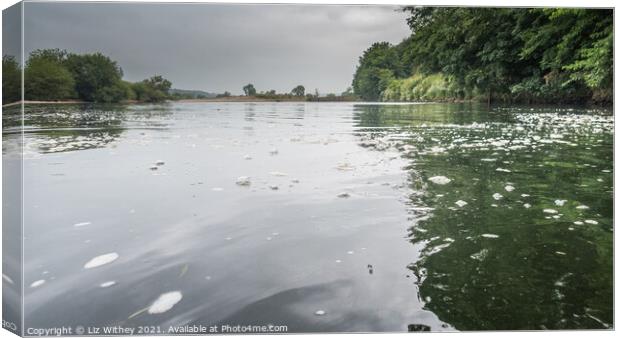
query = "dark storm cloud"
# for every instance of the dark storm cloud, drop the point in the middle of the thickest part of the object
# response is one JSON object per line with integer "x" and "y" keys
{"x": 219, "y": 47}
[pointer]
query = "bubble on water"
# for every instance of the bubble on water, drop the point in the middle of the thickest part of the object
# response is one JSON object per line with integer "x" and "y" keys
{"x": 509, "y": 188}
{"x": 559, "y": 203}
{"x": 441, "y": 180}
{"x": 497, "y": 196}
{"x": 460, "y": 203}
{"x": 490, "y": 236}
{"x": 550, "y": 211}
{"x": 101, "y": 260}
{"x": 37, "y": 283}
{"x": 107, "y": 284}
{"x": 165, "y": 302}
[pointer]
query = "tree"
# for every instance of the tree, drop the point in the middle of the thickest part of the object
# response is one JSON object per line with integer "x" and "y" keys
{"x": 153, "y": 89}
{"x": 11, "y": 80}
{"x": 46, "y": 79}
{"x": 299, "y": 91}
{"x": 92, "y": 73}
{"x": 249, "y": 90}
{"x": 377, "y": 65}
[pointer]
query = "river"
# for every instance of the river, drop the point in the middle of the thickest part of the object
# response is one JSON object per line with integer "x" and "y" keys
{"x": 315, "y": 216}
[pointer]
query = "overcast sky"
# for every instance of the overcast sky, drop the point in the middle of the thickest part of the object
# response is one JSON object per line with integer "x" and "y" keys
{"x": 218, "y": 47}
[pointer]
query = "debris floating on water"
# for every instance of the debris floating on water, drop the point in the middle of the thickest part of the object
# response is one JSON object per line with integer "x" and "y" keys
{"x": 107, "y": 284}
{"x": 273, "y": 151}
{"x": 497, "y": 196}
{"x": 320, "y": 313}
{"x": 77, "y": 225}
{"x": 441, "y": 180}
{"x": 559, "y": 203}
{"x": 589, "y": 221}
{"x": 525, "y": 195}
{"x": 160, "y": 162}
{"x": 582, "y": 207}
{"x": 509, "y": 188}
{"x": 38, "y": 283}
{"x": 247, "y": 157}
{"x": 460, "y": 203}
{"x": 278, "y": 173}
{"x": 503, "y": 170}
{"x": 153, "y": 167}
{"x": 273, "y": 187}
{"x": 550, "y": 211}
{"x": 578, "y": 222}
{"x": 7, "y": 279}
{"x": 344, "y": 195}
{"x": 490, "y": 236}
{"x": 101, "y": 260}
{"x": 527, "y": 205}
{"x": 165, "y": 302}
{"x": 243, "y": 180}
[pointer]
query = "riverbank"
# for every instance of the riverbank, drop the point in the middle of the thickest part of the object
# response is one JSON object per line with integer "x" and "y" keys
{"x": 215, "y": 100}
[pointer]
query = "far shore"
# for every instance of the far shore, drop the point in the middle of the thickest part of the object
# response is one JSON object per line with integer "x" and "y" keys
{"x": 205, "y": 100}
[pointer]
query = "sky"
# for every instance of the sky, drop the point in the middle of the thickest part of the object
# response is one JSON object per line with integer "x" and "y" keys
{"x": 220, "y": 47}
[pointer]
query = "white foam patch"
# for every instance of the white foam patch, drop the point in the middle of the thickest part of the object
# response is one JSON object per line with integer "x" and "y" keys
{"x": 490, "y": 236}
{"x": 550, "y": 211}
{"x": 460, "y": 203}
{"x": 441, "y": 180}
{"x": 38, "y": 283}
{"x": 101, "y": 260}
{"x": 107, "y": 284}
{"x": 509, "y": 188}
{"x": 165, "y": 302}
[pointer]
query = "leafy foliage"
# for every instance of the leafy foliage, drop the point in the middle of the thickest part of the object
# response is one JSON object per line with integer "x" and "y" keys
{"x": 249, "y": 90}
{"x": 299, "y": 91}
{"x": 503, "y": 54}
{"x": 11, "y": 80}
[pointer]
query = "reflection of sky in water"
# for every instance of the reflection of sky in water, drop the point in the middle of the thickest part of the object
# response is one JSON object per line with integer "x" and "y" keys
{"x": 286, "y": 246}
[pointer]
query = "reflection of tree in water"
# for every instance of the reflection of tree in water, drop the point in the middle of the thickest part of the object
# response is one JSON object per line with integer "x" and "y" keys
{"x": 496, "y": 264}
{"x": 59, "y": 128}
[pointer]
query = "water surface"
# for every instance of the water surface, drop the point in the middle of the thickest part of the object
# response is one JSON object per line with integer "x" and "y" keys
{"x": 340, "y": 228}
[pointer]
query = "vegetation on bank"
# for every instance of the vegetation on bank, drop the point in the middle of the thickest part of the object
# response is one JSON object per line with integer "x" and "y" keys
{"x": 54, "y": 74}
{"x": 494, "y": 54}
{"x": 297, "y": 94}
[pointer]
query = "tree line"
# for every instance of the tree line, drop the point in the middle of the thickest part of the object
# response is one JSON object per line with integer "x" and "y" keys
{"x": 297, "y": 93}
{"x": 494, "y": 54}
{"x": 54, "y": 74}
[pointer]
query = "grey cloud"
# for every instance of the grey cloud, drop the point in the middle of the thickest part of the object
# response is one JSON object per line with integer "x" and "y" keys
{"x": 217, "y": 47}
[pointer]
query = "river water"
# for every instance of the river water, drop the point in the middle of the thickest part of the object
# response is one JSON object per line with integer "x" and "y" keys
{"x": 316, "y": 216}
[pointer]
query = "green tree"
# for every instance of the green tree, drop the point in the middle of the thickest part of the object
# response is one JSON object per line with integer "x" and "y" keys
{"x": 11, "y": 80}
{"x": 249, "y": 90}
{"x": 154, "y": 89}
{"x": 47, "y": 79}
{"x": 299, "y": 91}
{"x": 377, "y": 66}
{"x": 92, "y": 74}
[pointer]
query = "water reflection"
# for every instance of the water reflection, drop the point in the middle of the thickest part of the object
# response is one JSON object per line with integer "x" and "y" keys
{"x": 521, "y": 236}
{"x": 355, "y": 237}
